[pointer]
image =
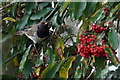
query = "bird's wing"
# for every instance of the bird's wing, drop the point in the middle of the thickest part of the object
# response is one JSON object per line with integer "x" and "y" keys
{"x": 29, "y": 31}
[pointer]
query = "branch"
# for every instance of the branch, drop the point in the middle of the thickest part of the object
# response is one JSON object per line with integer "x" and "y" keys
{"x": 53, "y": 12}
{"x": 6, "y": 6}
{"x": 11, "y": 58}
{"x": 118, "y": 21}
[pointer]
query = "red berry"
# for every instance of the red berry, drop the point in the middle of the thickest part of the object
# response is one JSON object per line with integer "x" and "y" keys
{"x": 80, "y": 35}
{"x": 38, "y": 77}
{"x": 104, "y": 8}
{"x": 105, "y": 12}
{"x": 94, "y": 25}
{"x": 109, "y": 22}
{"x": 84, "y": 31}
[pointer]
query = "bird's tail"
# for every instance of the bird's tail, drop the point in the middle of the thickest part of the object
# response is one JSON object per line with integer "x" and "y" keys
{"x": 20, "y": 33}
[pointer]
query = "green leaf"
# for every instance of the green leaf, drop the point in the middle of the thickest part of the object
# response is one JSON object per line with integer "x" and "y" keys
{"x": 38, "y": 62}
{"x": 113, "y": 39}
{"x": 110, "y": 4}
{"x": 63, "y": 73}
{"x": 111, "y": 56}
{"x": 59, "y": 43}
{"x": 40, "y": 14}
{"x": 54, "y": 21}
{"x": 14, "y": 9}
{"x": 23, "y": 21}
{"x": 89, "y": 9}
{"x": 5, "y": 37}
{"x": 117, "y": 7}
{"x": 78, "y": 73}
{"x": 51, "y": 56}
{"x": 100, "y": 62}
{"x": 44, "y": 4}
{"x": 27, "y": 69}
{"x": 101, "y": 73}
{"x": 59, "y": 48}
{"x": 79, "y": 10}
{"x": 24, "y": 58}
{"x": 96, "y": 16}
{"x": 10, "y": 19}
{"x": 51, "y": 70}
{"x": 29, "y": 6}
{"x": 64, "y": 6}
{"x": 76, "y": 9}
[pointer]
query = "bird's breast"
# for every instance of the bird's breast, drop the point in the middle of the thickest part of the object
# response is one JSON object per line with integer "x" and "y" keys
{"x": 41, "y": 33}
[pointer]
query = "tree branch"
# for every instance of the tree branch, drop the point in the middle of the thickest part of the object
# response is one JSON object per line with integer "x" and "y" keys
{"x": 6, "y": 6}
{"x": 11, "y": 58}
{"x": 53, "y": 12}
{"x": 118, "y": 21}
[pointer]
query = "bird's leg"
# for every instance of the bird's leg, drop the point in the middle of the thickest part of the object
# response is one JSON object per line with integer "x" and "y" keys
{"x": 35, "y": 49}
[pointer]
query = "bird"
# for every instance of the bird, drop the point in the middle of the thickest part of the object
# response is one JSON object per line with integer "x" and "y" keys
{"x": 37, "y": 32}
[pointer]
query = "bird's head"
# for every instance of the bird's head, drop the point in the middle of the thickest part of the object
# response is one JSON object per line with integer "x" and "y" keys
{"x": 44, "y": 24}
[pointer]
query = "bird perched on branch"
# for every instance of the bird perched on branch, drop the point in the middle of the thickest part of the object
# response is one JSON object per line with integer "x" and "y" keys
{"x": 36, "y": 33}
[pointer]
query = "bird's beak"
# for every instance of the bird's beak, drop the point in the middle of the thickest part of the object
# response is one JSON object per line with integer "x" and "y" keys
{"x": 46, "y": 23}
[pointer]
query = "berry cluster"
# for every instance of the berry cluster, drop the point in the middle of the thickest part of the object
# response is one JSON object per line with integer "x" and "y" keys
{"x": 87, "y": 47}
{"x": 35, "y": 51}
{"x": 37, "y": 76}
{"x": 98, "y": 29}
{"x": 20, "y": 75}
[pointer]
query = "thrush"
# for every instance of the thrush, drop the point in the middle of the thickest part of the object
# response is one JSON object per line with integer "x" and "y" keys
{"x": 36, "y": 33}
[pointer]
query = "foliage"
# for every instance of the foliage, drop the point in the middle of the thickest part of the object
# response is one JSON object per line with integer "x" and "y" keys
{"x": 58, "y": 56}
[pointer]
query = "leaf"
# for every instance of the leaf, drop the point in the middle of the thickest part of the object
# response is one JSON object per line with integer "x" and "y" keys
{"x": 101, "y": 73}
{"x": 44, "y": 4}
{"x": 23, "y": 21}
{"x": 110, "y": 4}
{"x": 97, "y": 15}
{"x": 38, "y": 62}
{"x": 29, "y": 6}
{"x": 78, "y": 73}
{"x": 111, "y": 56}
{"x": 76, "y": 9}
{"x": 15, "y": 60}
{"x": 5, "y": 37}
{"x": 14, "y": 9}
{"x": 113, "y": 39}
{"x": 59, "y": 43}
{"x": 117, "y": 7}
{"x": 63, "y": 73}
{"x": 54, "y": 21}
{"x": 59, "y": 19}
{"x": 100, "y": 62}
{"x": 10, "y": 19}
{"x": 51, "y": 70}
{"x": 27, "y": 69}
{"x": 64, "y": 6}
{"x": 76, "y": 68}
{"x": 85, "y": 67}
{"x": 23, "y": 60}
{"x": 40, "y": 14}
{"x": 50, "y": 55}
{"x": 59, "y": 48}
{"x": 89, "y": 9}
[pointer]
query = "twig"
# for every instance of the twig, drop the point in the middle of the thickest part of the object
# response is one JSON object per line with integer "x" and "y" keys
{"x": 88, "y": 77}
{"x": 69, "y": 37}
{"x": 53, "y": 12}
{"x": 6, "y": 6}
{"x": 118, "y": 21}
{"x": 11, "y": 58}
